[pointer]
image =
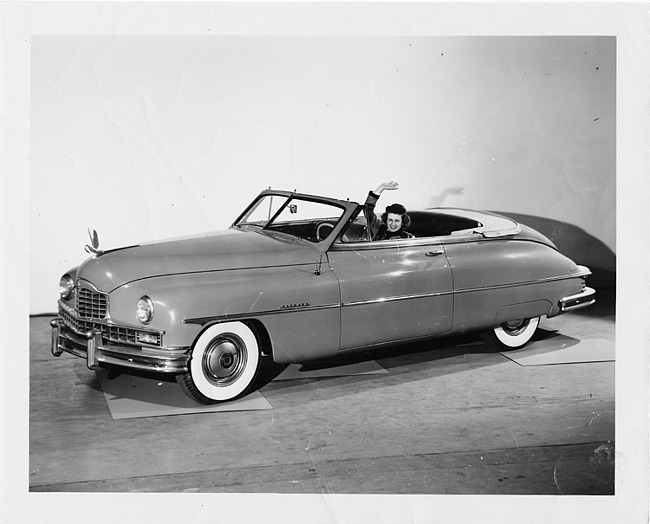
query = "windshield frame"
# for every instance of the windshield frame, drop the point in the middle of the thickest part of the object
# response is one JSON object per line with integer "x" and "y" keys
{"x": 347, "y": 207}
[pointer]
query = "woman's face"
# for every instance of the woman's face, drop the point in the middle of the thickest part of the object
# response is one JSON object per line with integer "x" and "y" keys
{"x": 393, "y": 222}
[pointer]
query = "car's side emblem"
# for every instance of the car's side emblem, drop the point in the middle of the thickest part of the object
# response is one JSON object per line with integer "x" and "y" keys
{"x": 300, "y": 304}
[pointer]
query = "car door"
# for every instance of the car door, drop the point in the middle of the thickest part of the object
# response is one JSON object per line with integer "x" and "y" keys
{"x": 392, "y": 290}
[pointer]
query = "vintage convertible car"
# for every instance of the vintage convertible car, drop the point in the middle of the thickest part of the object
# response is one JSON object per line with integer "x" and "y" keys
{"x": 296, "y": 278}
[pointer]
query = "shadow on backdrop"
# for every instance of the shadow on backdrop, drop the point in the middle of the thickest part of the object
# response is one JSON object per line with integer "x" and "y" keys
{"x": 578, "y": 245}
{"x": 572, "y": 241}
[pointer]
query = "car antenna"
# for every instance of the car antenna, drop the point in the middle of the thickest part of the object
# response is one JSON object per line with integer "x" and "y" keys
{"x": 320, "y": 261}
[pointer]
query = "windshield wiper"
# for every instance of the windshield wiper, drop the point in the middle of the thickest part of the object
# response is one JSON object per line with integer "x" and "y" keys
{"x": 250, "y": 224}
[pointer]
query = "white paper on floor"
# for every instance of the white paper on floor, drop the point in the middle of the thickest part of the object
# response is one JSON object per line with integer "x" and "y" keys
{"x": 132, "y": 396}
{"x": 562, "y": 349}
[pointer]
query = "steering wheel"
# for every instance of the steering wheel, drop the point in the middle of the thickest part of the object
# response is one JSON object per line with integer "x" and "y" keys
{"x": 357, "y": 233}
{"x": 323, "y": 230}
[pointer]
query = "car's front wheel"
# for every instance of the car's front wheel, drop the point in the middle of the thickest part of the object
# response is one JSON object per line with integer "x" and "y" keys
{"x": 511, "y": 335}
{"x": 223, "y": 363}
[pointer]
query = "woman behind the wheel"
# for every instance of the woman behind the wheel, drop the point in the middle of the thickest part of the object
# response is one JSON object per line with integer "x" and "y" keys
{"x": 393, "y": 223}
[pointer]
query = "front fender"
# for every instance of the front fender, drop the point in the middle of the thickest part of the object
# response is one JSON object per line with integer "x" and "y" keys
{"x": 223, "y": 295}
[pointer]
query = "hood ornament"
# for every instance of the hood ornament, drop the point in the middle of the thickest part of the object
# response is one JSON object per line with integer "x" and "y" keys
{"x": 94, "y": 243}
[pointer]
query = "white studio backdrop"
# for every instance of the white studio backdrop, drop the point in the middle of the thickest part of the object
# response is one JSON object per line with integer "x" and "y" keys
{"x": 144, "y": 138}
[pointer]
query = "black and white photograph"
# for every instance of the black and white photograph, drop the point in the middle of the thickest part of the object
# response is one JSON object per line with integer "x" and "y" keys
{"x": 325, "y": 262}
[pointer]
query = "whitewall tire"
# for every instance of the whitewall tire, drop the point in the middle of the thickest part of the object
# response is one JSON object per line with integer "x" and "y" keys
{"x": 511, "y": 335}
{"x": 223, "y": 364}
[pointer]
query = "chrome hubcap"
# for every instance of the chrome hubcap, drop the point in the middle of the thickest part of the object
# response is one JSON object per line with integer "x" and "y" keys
{"x": 224, "y": 359}
{"x": 514, "y": 327}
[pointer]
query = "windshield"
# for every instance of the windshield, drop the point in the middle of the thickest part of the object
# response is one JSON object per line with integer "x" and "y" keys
{"x": 293, "y": 215}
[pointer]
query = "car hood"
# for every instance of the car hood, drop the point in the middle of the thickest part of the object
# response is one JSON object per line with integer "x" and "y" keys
{"x": 230, "y": 249}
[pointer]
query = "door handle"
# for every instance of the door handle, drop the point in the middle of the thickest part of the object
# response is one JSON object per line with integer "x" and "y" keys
{"x": 435, "y": 253}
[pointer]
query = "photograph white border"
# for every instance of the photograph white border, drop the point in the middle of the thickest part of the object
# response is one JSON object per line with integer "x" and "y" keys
{"x": 628, "y": 22}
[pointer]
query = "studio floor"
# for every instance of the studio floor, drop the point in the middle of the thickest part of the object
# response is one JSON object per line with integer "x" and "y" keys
{"x": 446, "y": 416}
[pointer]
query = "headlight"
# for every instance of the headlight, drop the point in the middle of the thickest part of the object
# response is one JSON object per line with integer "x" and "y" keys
{"x": 66, "y": 285}
{"x": 144, "y": 311}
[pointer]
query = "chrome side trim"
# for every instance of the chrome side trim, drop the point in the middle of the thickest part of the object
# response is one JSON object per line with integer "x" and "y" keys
{"x": 243, "y": 316}
{"x": 517, "y": 284}
{"x": 459, "y": 291}
{"x": 396, "y": 298}
{"x": 402, "y": 243}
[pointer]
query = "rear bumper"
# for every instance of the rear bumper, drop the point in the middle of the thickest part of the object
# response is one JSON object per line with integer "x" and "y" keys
{"x": 92, "y": 348}
{"x": 583, "y": 299}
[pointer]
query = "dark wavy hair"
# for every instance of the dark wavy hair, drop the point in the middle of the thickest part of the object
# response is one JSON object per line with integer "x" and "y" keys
{"x": 397, "y": 209}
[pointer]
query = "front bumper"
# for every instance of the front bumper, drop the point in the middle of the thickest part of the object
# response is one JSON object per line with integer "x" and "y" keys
{"x": 583, "y": 299}
{"x": 95, "y": 351}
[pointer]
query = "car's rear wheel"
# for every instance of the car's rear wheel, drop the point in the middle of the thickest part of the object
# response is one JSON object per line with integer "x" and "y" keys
{"x": 223, "y": 363}
{"x": 511, "y": 335}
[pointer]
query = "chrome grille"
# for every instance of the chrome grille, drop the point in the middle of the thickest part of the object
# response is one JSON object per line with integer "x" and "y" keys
{"x": 91, "y": 304}
{"x": 119, "y": 334}
{"x": 109, "y": 332}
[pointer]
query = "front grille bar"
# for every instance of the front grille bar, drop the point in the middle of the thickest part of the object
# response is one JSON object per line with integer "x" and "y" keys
{"x": 91, "y": 304}
{"x": 113, "y": 333}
